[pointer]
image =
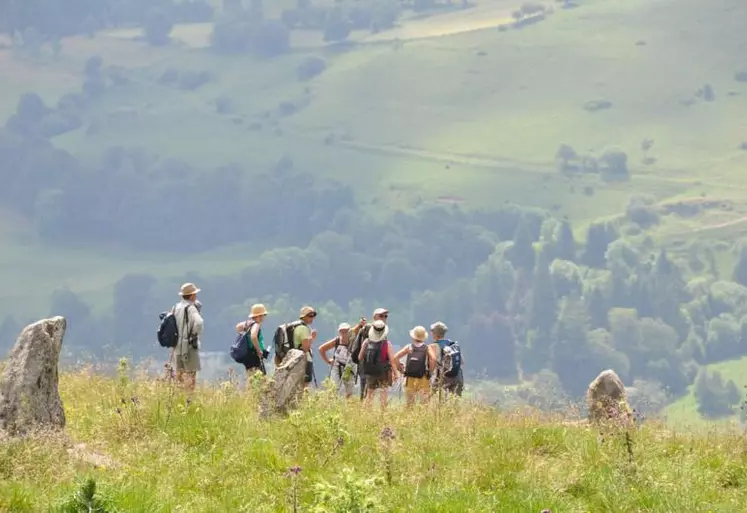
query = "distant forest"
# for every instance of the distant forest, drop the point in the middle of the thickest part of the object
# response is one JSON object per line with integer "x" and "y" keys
{"x": 522, "y": 295}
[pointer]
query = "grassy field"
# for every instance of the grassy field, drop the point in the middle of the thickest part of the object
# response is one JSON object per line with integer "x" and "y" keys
{"x": 448, "y": 105}
{"x": 684, "y": 413}
{"x": 156, "y": 453}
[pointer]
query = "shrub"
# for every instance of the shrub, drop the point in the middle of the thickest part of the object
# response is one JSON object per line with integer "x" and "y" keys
{"x": 192, "y": 80}
{"x": 271, "y": 38}
{"x": 641, "y": 210}
{"x": 615, "y": 165}
{"x": 310, "y": 67}
{"x": 158, "y": 26}
{"x": 231, "y": 37}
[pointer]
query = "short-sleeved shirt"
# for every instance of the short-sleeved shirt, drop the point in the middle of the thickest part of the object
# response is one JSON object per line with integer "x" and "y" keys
{"x": 301, "y": 333}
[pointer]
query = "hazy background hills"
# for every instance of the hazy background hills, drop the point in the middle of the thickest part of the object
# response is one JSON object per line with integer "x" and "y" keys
{"x": 561, "y": 182}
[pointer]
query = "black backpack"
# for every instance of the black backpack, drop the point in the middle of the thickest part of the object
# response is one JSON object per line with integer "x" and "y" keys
{"x": 283, "y": 338}
{"x": 416, "y": 367}
{"x": 355, "y": 348}
{"x": 168, "y": 331}
{"x": 374, "y": 363}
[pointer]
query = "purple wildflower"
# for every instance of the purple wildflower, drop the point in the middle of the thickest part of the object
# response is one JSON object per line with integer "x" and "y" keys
{"x": 387, "y": 434}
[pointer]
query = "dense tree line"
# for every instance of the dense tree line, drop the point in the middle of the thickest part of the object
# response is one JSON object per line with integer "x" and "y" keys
{"x": 57, "y": 18}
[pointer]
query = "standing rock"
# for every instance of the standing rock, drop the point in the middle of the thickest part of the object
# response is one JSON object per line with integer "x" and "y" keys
{"x": 29, "y": 395}
{"x": 606, "y": 398}
{"x": 286, "y": 386}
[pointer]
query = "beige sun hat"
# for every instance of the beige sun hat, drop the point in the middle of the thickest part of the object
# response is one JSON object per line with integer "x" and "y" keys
{"x": 380, "y": 311}
{"x": 379, "y": 331}
{"x": 306, "y": 311}
{"x": 343, "y": 327}
{"x": 188, "y": 289}
{"x": 418, "y": 333}
{"x": 258, "y": 310}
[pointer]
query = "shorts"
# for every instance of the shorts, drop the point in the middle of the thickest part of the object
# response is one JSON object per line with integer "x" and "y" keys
{"x": 189, "y": 364}
{"x": 417, "y": 384}
{"x": 378, "y": 382}
{"x": 340, "y": 381}
{"x": 453, "y": 385}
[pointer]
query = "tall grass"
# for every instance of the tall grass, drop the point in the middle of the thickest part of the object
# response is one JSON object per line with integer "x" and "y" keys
{"x": 167, "y": 452}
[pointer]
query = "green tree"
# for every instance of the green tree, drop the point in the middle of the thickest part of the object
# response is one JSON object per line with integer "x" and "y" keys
{"x": 158, "y": 26}
{"x": 565, "y": 243}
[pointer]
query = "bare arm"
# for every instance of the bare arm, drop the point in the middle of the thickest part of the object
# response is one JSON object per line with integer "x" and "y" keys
{"x": 432, "y": 356}
{"x": 402, "y": 352}
{"x": 241, "y": 327}
{"x": 326, "y": 347}
{"x": 362, "y": 351}
{"x": 255, "y": 340}
{"x": 394, "y": 363}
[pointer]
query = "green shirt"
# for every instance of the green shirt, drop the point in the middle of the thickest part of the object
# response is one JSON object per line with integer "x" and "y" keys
{"x": 301, "y": 333}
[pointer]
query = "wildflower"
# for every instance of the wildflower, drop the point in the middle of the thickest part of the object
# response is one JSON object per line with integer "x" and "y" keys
{"x": 387, "y": 434}
{"x": 293, "y": 471}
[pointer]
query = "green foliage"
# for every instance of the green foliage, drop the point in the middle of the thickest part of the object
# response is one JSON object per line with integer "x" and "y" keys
{"x": 158, "y": 26}
{"x": 86, "y": 500}
{"x": 715, "y": 397}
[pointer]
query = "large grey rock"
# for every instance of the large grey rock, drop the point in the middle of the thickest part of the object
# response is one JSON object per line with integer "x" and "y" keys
{"x": 606, "y": 398}
{"x": 29, "y": 395}
{"x": 286, "y": 387}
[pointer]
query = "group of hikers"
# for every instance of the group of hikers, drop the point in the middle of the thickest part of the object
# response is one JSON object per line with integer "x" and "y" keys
{"x": 362, "y": 351}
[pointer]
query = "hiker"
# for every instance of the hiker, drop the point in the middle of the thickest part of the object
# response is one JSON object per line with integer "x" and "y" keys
{"x": 377, "y": 362}
{"x": 253, "y": 362}
{"x": 380, "y": 314}
{"x": 448, "y": 379}
{"x": 189, "y": 324}
{"x": 341, "y": 364}
{"x": 415, "y": 370}
{"x": 303, "y": 336}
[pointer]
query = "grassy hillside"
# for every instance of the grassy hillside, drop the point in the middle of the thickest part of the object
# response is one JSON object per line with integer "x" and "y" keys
{"x": 447, "y": 107}
{"x": 684, "y": 412}
{"x": 160, "y": 454}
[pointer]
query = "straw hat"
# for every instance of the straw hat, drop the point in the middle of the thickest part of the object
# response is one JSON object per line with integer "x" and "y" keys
{"x": 379, "y": 331}
{"x": 307, "y": 311}
{"x": 380, "y": 311}
{"x": 418, "y": 333}
{"x": 258, "y": 310}
{"x": 343, "y": 327}
{"x": 188, "y": 289}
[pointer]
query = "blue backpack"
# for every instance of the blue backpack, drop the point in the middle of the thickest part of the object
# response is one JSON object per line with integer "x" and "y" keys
{"x": 451, "y": 359}
{"x": 242, "y": 345}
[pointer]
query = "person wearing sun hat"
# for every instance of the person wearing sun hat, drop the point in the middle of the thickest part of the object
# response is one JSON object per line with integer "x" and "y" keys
{"x": 253, "y": 325}
{"x": 415, "y": 370}
{"x": 189, "y": 324}
{"x": 304, "y": 336}
{"x": 360, "y": 333}
{"x": 341, "y": 370}
{"x": 377, "y": 361}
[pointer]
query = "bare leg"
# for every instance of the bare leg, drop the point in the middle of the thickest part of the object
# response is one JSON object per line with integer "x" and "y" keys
{"x": 384, "y": 396}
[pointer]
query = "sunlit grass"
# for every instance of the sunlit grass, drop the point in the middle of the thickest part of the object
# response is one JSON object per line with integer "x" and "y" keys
{"x": 162, "y": 453}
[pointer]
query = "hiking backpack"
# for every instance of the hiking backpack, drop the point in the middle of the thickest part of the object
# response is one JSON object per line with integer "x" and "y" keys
{"x": 168, "y": 331}
{"x": 451, "y": 359}
{"x": 355, "y": 347}
{"x": 415, "y": 367}
{"x": 242, "y": 346}
{"x": 283, "y": 338}
{"x": 375, "y": 359}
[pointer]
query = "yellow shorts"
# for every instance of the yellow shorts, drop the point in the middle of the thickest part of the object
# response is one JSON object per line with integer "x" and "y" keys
{"x": 417, "y": 384}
